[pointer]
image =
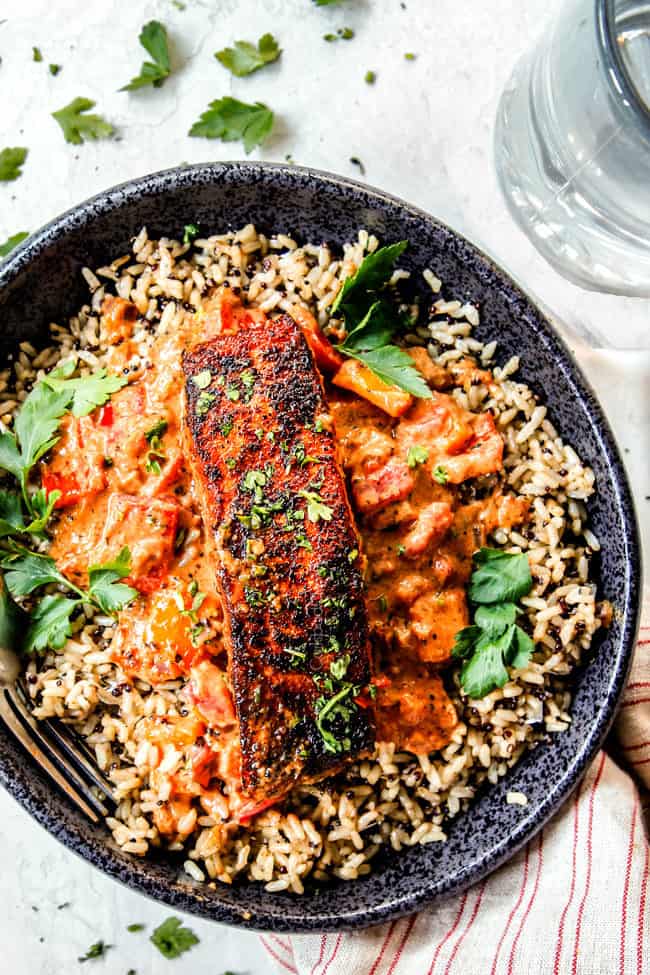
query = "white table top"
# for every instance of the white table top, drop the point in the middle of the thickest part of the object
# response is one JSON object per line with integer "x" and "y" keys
{"x": 423, "y": 131}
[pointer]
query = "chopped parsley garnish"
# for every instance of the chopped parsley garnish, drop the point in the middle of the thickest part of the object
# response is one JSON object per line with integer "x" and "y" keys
{"x": 226, "y": 425}
{"x": 339, "y": 667}
{"x": 371, "y": 322}
{"x": 317, "y": 510}
{"x": 440, "y": 475}
{"x": 409, "y": 56}
{"x": 301, "y": 457}
{"x": 77, "y": 126}
{"x": 343, "y": 33}
{"x": 382, "y": 603}
{"x": 326, "y": 3}
{"x": 357, "y": 162}
{"x": 204, "y": 402}
{"x": 230, "y": 120}
{"x": 11, "y": 161}
{"x": 232, "y": 393}
{"x": 190, "y": 232}
{"x": 153, "y": 38}
{"x": 54, "y": 69}
{"x": 36, "y": 54}
{"x": 494, "y": 641}
{"x": 329, "y": 710}
{"x": 134, "y": 928}
{"x": 155, "y": 454}
{"x": 202, "y": 379}
{"x": 370, "y": 77}
{"x": 11, "y": 242}
{"x": 172, "y": 939}
{"x": 417, "y": 455}
{"x": 98, "y": 950}
{"x": 245, "y": 58}
{"x": 400, "y": 549}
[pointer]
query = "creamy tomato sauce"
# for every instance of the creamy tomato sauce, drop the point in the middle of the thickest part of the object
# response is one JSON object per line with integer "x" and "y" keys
{"x": 124, "y": 481}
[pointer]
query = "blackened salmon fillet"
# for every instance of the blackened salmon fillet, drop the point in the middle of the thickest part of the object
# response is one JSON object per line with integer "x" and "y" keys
{"x": 287, "y": 561}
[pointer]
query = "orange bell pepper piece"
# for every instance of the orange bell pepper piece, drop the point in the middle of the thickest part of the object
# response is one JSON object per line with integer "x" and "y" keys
{"x": 326, "y": 356}
{"x": 356, "y": 377}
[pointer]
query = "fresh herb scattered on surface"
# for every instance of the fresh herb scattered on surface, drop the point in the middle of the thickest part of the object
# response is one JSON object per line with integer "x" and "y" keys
{"x": 11, "y": 160}
{"x": 357, "y": 162}
{"x": 78, "y": 127}
{"x": 54, "y": 69}
{"x": 417, "y": 455}
{"x": 36, "y": 54}
{"x": 172, "y": 939}
{"x": 11, "y": 242}
{"x": 153, "y": 38}
{"x": 190, "y": 232}
{"x": 98, "y": 950}
{"x": 229, "y": 120}
{"x": 495, "y": 640}
{"x": 370, "y": 77}
{"x": 134, "y": 928}
{"x": 245, "y": 58}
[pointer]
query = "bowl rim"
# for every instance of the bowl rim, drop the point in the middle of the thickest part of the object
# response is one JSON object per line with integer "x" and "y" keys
{"x": 287, "y": 917}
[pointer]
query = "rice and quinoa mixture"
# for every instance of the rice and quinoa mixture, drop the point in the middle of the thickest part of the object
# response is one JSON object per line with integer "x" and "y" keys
{"x": 336, "y": 827}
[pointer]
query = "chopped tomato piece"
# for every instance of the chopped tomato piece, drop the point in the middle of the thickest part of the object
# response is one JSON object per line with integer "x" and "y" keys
{"x": 224, "y": 312}
{"x": 117, "y": 321}
{"x": 180, "y": 731}
{"x": 211, "y": 695}
{"x": 77, "y": 467}
{"x": 359, "y": 379}
{"x": 106, "y": 415}
{"x": 391, "y": 482}
{"x": 432, "y": 524}
{"x": 415, "y": 712}
{"x": 326, "y": 356}
{"x": 148, "y": 527}
{"x": 67, "y": 484}
{"x": 440, "y": 424}
{"x": 483, "y": 455}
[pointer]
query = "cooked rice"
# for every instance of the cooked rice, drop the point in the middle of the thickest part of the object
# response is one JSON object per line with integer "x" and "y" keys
{"x": 333, "y": 828}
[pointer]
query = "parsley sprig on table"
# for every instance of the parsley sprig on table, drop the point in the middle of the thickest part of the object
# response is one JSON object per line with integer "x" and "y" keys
{"x": 244, "y": 58}
{"x": 495, "y": 640}
{"x": 371, "y": 322}
{"x": 229, "y": 120}
{"x": 172, "y": 939}
{"x": 153, "y": 38}
{"x": 78, "y": 126}
{"x": 11, "y": 161}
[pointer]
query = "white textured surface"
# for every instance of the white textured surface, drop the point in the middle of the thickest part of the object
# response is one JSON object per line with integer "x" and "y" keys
{"x": 423, "y": 131}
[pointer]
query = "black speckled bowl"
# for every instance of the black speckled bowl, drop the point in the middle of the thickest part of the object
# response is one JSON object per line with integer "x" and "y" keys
{"x": 41, "y": 283}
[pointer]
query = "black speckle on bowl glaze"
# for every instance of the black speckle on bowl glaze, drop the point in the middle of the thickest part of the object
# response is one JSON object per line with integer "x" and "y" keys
{"x": 41, "y": 283}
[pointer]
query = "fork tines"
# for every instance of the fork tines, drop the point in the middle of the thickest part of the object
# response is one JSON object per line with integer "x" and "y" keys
{"x": 59, "y": 751}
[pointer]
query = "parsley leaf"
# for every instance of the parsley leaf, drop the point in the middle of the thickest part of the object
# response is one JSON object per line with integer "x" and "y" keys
{"x": 134, "y": 928}
{"x": 354, "y": 299}
{"x": 49, "y": 625}
{"x": 79, "y": 127}
{"x": 11, "y": 160}
{"x": 25, "y": 571}
{"x": 98, "y": 950}
{"x": 485, "y": 670}
{"x": 103, "y": 586}
{"x": 244, "y": 57}
{"x": 11, "y": 242}
{"x": 395, "y": 367}
{"x": 417, "y": 455}
{"x": 36, "y": 54}
{"x": 326, "y": 3}
{"x": 54, "y": 69}
{"x": 375, "y": 329}
{"x": 88, "y": 392}
{"x": 440, "y": 475}
{"x": 153, "y": 38}
{"x": 172, "y": 939}
{"x": 316, "y": 509}
{"x": 501, "y": 576}
{"x": 11, "y": 514}
{"x": 42, "y": 505}
{"x": 229, "y": 119}
{"x": 190, "y": 232}
{"x": 11, "y": 619}
{"x": 495, "y": 641}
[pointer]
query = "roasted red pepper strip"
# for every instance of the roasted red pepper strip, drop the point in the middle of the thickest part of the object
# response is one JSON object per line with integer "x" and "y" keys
{"x": 106, "y": 416}
{"x": 326, "y": 356}
{"x": 67, "y": 484}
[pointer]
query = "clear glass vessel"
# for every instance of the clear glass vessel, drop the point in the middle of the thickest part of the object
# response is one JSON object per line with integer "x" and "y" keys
{"x": 572, "y": 145}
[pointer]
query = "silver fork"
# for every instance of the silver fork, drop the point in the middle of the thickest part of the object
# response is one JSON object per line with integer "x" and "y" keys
{"x": 57, "y": 748}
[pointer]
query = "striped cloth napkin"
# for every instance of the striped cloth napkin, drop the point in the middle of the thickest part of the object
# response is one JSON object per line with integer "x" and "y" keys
{"x": 573, "y": 902}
